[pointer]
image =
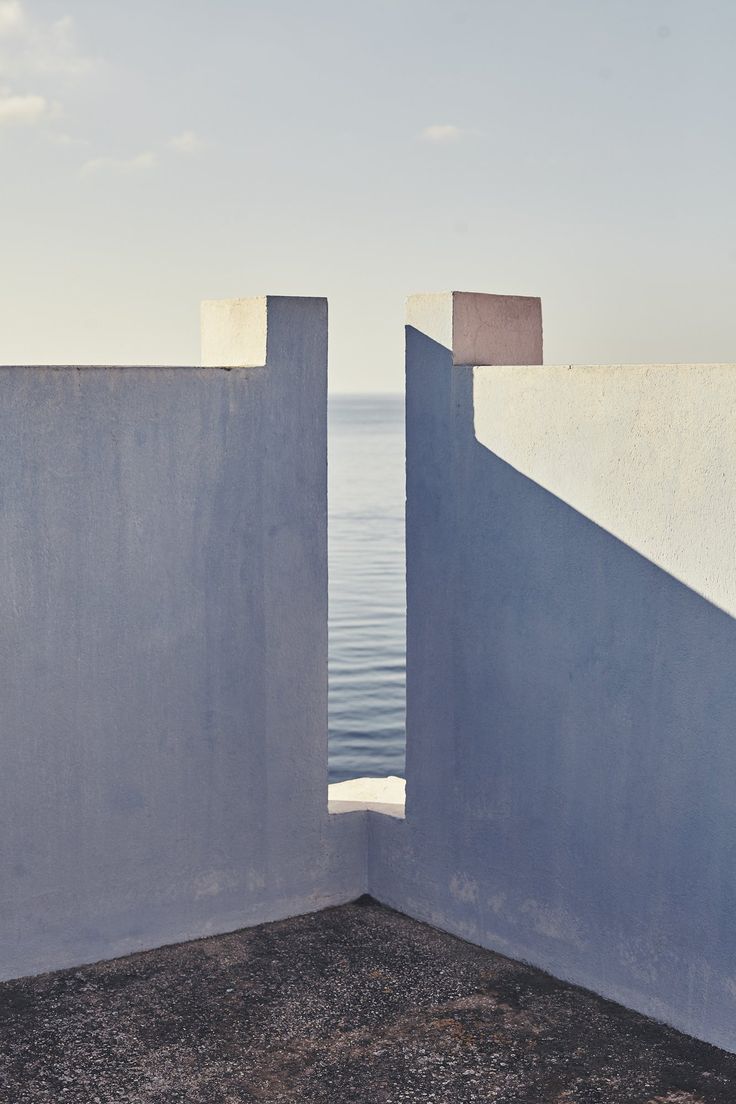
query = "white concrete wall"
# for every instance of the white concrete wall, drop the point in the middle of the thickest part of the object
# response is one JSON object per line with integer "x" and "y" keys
{"x": 644, "y": 450}
{"x": 571, "y": 668}
{"x": 571, "y": 681}
{"x": 163, "y": 646}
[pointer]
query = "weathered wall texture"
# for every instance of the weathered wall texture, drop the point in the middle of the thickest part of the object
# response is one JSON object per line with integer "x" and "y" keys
{"x": 571, "y": 684}
{"x": 163, "y": 640}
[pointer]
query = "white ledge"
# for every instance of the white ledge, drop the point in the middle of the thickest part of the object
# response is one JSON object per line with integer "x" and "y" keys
{"x": 234, "y": 332}
{"x": 375, "y": 795}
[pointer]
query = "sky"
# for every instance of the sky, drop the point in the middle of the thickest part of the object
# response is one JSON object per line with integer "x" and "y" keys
{"x": 155, "y": 153}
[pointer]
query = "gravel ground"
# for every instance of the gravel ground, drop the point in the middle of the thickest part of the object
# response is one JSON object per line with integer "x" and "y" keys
{"x": 355, "y": 1003}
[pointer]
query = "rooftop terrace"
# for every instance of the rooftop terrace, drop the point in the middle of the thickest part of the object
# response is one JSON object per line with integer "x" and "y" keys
{"x": 570, "y": 709}
{"x": 356, "y": 1003}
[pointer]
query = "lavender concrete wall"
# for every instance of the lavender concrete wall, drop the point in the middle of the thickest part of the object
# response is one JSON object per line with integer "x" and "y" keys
{"x": 163, "y": 646}
{"x": 571, "y": 683}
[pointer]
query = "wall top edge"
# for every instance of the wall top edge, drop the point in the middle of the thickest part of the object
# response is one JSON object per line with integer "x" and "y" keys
{"x": 631, "y": 366}
{"x": 475, "y": 294}
{"x": 125, "y": 368}
{"x": 267, "y": 299}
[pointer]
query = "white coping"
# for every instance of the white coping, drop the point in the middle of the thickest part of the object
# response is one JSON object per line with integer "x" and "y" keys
{"x": 234, "y": 332}
{"x": 376, "y": 795}
{"x": 478, "y": 328}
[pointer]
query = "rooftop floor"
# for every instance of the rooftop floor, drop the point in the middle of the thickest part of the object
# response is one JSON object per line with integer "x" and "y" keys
{"x": 356, "y": 1003}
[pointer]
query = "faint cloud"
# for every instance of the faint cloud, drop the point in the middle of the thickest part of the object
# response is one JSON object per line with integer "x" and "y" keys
{"x": 11, "y": 17}
{"x": 59, "y": 138}
{"x": 142, "y": 162}
{"x": 29, "y": 110}
{"x": 38, "y": 48}
{"x": 441, "y": 133}
{"x": 36, "y": 53}
{"x": 55, "y": 50}
{"x": 187, "y": 142}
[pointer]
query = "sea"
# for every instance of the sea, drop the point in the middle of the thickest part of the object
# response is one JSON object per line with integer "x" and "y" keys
{"x": 367, "y": 594}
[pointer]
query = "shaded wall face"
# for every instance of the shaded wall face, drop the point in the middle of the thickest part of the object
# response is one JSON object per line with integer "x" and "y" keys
{"x": 570, "y": 703}
{"x": 162, "y": 650}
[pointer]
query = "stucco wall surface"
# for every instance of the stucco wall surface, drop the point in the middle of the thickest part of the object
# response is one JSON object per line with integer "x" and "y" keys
{"x": 643, "y": 450}
{"x": 571, "y": 655}
{"x": 571, "y": 672}
{"x": 163, "y": 650}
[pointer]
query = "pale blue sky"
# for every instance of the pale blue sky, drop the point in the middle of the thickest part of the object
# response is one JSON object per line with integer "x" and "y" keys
{"x": 156, "y": 153}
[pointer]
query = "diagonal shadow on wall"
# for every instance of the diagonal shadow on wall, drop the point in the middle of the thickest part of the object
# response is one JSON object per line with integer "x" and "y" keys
{"x": 571, "y": 730}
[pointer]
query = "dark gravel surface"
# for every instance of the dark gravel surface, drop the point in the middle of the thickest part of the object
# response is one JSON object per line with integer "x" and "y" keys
{"x": 356, "y": 1003}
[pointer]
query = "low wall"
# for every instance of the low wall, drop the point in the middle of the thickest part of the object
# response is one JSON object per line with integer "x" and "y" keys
{"x": 571, "y": 655}
{"x": 571, "y": 666}
{"x": 163, "y": 645}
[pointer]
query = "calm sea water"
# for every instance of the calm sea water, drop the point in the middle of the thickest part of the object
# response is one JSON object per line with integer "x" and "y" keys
{"x": 367, "y": 591}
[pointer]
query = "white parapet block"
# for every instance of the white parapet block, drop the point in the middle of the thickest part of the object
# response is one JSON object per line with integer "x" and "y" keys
{"x": 250, "y": 333}
{"x": 366, "y": 795}
{"x": 234, "y": 332}
{"x": 479, "y": 328}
